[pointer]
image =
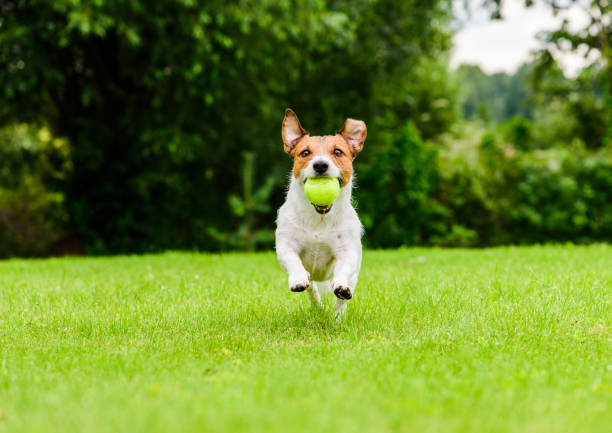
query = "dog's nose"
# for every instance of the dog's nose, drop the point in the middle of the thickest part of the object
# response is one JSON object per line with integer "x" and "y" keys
{"x": 320, "y": 167}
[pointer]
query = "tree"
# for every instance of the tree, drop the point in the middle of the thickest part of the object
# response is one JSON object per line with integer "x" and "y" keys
{"x": 158, "y": 100}
{"x": 496, "y": 97}
{"x": 594, "y": 37}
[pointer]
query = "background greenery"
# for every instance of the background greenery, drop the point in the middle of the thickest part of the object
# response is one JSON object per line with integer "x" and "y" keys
{"x": 131, "y": 126}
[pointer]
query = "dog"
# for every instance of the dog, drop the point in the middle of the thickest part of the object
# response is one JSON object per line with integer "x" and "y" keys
{"x": 320, "y": 246}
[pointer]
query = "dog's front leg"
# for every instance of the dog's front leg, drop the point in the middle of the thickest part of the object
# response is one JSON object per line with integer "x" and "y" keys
{"x": 346, "y": 273}
{"x": 287, "y": 253}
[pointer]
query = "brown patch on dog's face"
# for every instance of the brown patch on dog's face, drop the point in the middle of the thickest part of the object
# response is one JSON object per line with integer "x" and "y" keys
{"x": 332, "y": 146}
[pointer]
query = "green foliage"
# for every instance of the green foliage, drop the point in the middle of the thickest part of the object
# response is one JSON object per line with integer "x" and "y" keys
{"x": 249, "y": 208}
{"x": 518, "y": 132}
{"x": 517, "y": 197}
{"x": 30, "y": 218}
{"x": 32, "y": 215}
{"x": 589, "y": 38}
{"x": 571, "y": 108}
{"x": 496, "y": 97}
{"x": 158, "y": 99}
{"x": 157, "y": 102}
{"x": 398, "y": 208}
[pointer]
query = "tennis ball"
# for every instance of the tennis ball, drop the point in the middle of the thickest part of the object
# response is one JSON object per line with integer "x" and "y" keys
{"x": 322, "y": 191}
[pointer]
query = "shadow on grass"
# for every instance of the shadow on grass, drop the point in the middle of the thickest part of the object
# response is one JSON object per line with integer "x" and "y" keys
{"x": 300, "y": 321}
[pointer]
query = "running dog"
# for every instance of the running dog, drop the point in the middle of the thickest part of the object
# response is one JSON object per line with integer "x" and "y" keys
{"x": 320, "y": 246}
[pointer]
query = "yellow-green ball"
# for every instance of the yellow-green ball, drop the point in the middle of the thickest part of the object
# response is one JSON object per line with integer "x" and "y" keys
{"x": 322, "y": 191}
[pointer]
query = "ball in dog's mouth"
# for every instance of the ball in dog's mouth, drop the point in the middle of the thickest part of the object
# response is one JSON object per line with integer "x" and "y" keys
{"x": 322, "y": 191}
{"x": 322, "y": 209}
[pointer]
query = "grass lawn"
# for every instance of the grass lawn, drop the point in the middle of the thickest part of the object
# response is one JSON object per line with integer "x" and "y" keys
{"x": 500, "y": 340}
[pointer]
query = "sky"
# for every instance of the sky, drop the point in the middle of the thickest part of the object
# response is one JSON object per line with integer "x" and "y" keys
{"x": 504, "y": 45}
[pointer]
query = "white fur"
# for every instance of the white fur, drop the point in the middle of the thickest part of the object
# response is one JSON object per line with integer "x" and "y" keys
{"x": 332, "y": 171}
{"x": 322, "y": 252}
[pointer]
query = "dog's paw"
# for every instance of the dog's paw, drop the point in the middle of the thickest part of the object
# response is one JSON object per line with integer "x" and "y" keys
{"x": 299, "y": 283}
{"x": 343, "y": 292}
{"x": 299, "y": 287}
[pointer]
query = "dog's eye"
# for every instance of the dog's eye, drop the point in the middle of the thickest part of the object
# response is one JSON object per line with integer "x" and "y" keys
{"x": 305, "y": 153}
{"x": 338, "y": 152}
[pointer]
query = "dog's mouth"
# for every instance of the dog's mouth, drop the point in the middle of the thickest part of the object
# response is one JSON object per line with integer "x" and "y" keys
{"x": 315, "y": 177}
{"x": 322, "y": 209}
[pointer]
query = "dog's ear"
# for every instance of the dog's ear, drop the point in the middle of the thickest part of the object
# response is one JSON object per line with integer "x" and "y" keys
{"x": 354, "y": 132}
{"x": 292, "y": 131}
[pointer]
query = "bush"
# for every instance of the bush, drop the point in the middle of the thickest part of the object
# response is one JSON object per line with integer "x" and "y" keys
{"x": 159, "y": 99}
{"x": 518, "y": 132}
{"x": 398, "y": 207}
{"x": 510, "y": 196}
{"x": 32, "y": 213}
{"x": 28, "y": 217}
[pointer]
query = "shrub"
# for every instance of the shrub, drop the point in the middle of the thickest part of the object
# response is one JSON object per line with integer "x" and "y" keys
{"x": 32, "y": 214}
{"x": 398, "y": 207}
{"x": 518, "y": 132}
{"x": 511, "y": 196}
{"x": 28, "y": 219}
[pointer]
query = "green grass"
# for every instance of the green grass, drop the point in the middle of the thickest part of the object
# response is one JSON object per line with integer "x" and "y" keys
{"x": 500, "y": 340}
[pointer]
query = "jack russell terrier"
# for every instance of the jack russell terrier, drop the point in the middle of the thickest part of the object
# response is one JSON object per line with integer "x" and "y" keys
{"x": 320, "y": 246}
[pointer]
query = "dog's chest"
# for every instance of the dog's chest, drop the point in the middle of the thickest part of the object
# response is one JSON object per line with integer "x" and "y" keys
{"x": 317, "y": 255}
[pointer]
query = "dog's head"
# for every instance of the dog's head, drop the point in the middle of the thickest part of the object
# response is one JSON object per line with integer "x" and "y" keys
{"x": 328, "y": 155}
